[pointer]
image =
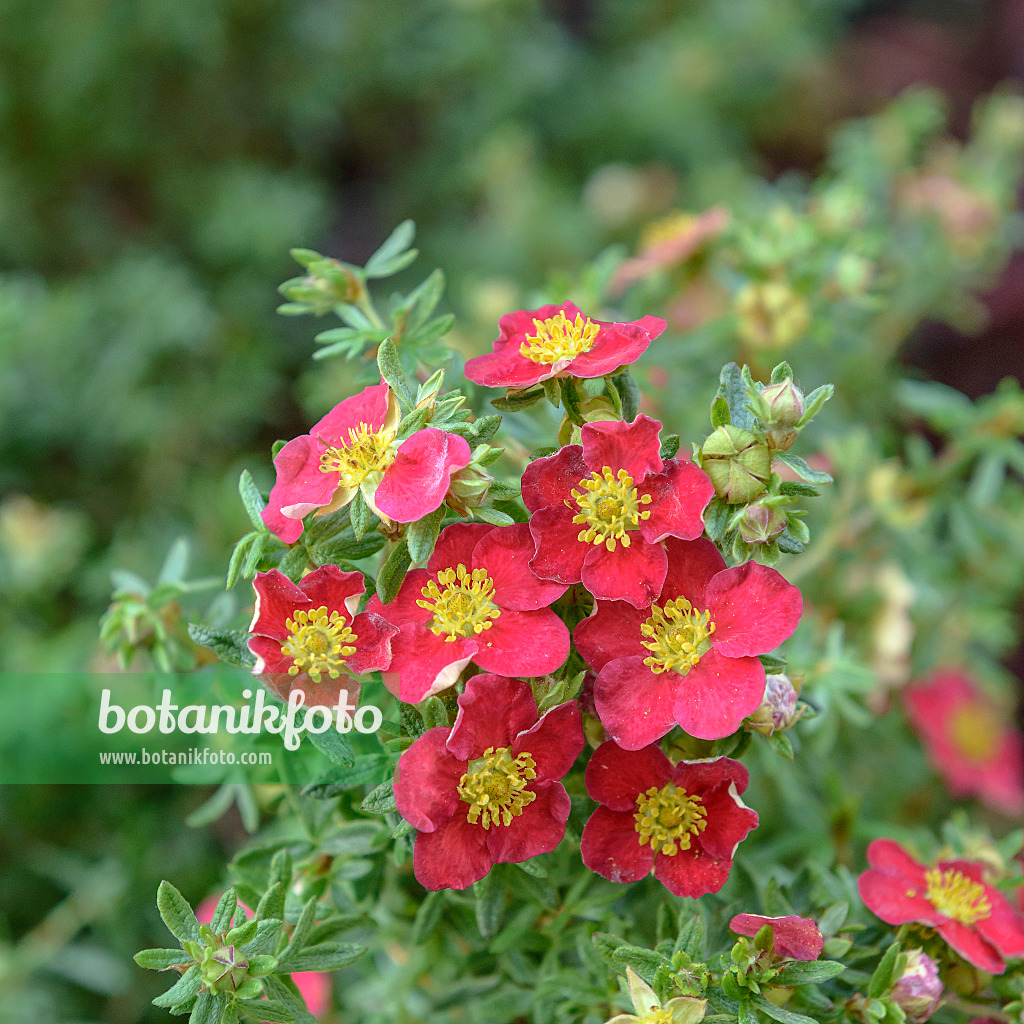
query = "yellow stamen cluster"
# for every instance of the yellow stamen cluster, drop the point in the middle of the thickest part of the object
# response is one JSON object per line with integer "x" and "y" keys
{"x": 667, "y": 818}
{"x": 460, "y": 602}
{"x": 679, "y": 636}
{"x": 319, "y": 642}
{"x": 975, "y": 731}
{"x": 559, "y": 338}
{"x": 367, "y": 452}
{"x": 495, "y": 786}
{"x": 658, "y": 1015}
{"x": 952, "y": 893}
{"x": 609, "y": 507}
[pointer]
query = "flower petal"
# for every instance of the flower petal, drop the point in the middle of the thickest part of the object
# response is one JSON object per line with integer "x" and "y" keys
{"x": 707, "y": 773}
{"x": 425, "y": 663}
{"x": 610, "y": 846}
{"x": 888, "y": 855}
{"x": 888, "y": 897}
{"x": 729, "y": 820}
{"x": 539, "y": 829}
{"x": 796, "y": 938}
{"x": 505, "y": 553}
{"x": 611, "y": 631}
{"x": 414, "y": 485}
{"x": 454, "y": 856}
{"x": 692, "y": 565}
{"x": 616, "y": 345}
{"x": 692, "y": 872}
{"x": 635, "y": 574}
{"x": 560, "y": 555}
{"x": 506, "y": 367}
{"x": 331, "y": 588}
{"x": 373, "y": 644}
{"x": 277, "y": 598}
{"x": 523, "y": 643}
{"x": 971, "y": 946}
{"x": 300, "y": 488}
{"x": 455, "y": 546}
{"x": 554, "y": 742}
{"x": 548, "y": 481}
{"x": 404, "y": 610}
{"x": 492, "y": 712}
{"x": 753, "y": 608}
{"x": 716, "y": 695}
{"x": 635, "y": 705}
{"x": 615, "y": 444}
{"x": 369, "y": 407}
{"x": 427, "y": 780}
{"x": 679, "y": 496}
{"x": 616, "y": 777}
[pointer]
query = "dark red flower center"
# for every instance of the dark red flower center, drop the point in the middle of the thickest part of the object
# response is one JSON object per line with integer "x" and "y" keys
{"x": 495, "y": 786}
{"x": 668, "y": 818}
{"x": 609, "y": 507}
{"x": 678, "y": 636}
{"x": 319, "y": 643}
{"x": 368, "y": 451}
{"x": 559, "y": 338}
{"x": 460, "y": 602}
{"x": 952, "y": 893}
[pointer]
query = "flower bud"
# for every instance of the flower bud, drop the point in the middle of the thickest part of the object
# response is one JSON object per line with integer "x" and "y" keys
{"x": 738, "y": 464}
{"x": 919, "y": 989}
{"x": 778, "y": 706}
{"x": 761, "y": 523}
{"x": 468, "y": 488}
{"x": 224, "y": 969}
{"x": 771, "y": 314}
{"x": 783, "y": 404}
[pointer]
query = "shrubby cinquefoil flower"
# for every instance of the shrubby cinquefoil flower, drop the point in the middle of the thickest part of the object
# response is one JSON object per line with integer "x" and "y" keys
{"x": 487, "y": 792}
{"x": 795, "y": 938}
{"x": 975, "y": 751}
{"x": 476, "y": 601}
{"x": 559, "y": 341}
{"x": 684, "y": 822}
{"x": 691, "y": 656}
{"x": 353, "y": 448}
{"x": 651, "y": 1010}
{"x": 601, "y": 510}
{"x": 951, "y": 896}
{"x": 309, "y": 635}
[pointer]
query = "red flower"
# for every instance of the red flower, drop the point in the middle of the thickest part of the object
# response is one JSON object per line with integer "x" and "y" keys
{"x": 685, "y": 822}
{"x": 796, "y": 938}
{"x": 691, "y": 657}
{"x": 974, "y": 751}
{"x": 487, "y": 791}
{"x": 354, "y": 448}
{"x": 308, "y": 635}
{"x": 601, "y": 510}
{"x": 952, "y": 897}
{"x": 476, "y": 601}
{"x": 559, "y": 341}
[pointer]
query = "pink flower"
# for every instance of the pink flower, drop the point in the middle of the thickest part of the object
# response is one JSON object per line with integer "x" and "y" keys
{"x": 684, "y": 822}
{"x": 952, "y": 897}
{"x": 601, "y": 510}
{"x": 354, "y": 448}
{"x": 314, "y": 986}
{"x": 974, "y": 751}
{"x": 476, "y": 601}
{"x": 691, "y": 657}
{"x": 307, "y": 635}
{"x": 487, "y": 792}
{"x": 796, "y": 938}
{"x": 559, "y": 341}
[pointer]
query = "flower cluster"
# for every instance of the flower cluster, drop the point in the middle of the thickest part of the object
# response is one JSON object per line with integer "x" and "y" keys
{"x": 614, "y": 528}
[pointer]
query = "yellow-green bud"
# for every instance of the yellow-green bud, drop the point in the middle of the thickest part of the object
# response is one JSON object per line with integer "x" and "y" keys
{"x": 738, "y": 464}
{"x": 783, "y": 405}
{"x": 761, "y": 523}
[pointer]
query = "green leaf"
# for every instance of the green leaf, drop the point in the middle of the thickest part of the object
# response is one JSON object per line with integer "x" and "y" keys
{"x": 267, "y": 931}
{"x": 392, "y": 573}
{"x": 177, "y": 914}
{"x": 887, "y": 971}
{"x": 328, "y": 957}
{"x": 301, "y": 932}
{"x": 230, "y": 645}
{"x": 335, "y": 746}
{"x": 780, "y": 1013}
{"x": 209, "y": 1008}
{"x": 360, "y": 515}
{"x": 184, "y": 989}
{"x": 427, "y": 916}
{"x": 271, "y": 1010}
{"x": 391, "y": 372}
{"x": 629, "y": 394}
{"x": 780, "y": 373}
{"x": 422, "y": 301}
{"x": 434, "y": 713}
{"x": 395, "y": 245}
{"x": 421, "y": 536}
{"x": 720, "y": 412}
{"x": 746, "y": 1014}
{"x": 669, "y": 446}
{"x": 605, "y": 943}
{"x": 571, "y": 399}
{"x": 271, "y": 906}
{"x": 294, "y": 562}
{"x": 800, "y": 467}
{"x": 811, "y": 973}
{"x": 252, "y": 500}
{"x": 813, "y": 403}
{"x": 644, "y": 961}
{"x": 489, "y": 899}
{"x": 516, "y": 400}
{"x": 716, "y": 519}
{"x": 794, "y": 487}
{"x": 224, "y": 911}
{"x": 380, "y": 800}
{"x": 782, "y": 745}
{"x": 691, "y": 938}
{"x": 161, "y": 959}
{"x": 345, "y": 547}
{"x": 833, "y": 918}
{"x": 733, "y": 388}
{"x": 552, "y": 391}
{"x": 493, "y": 516}
{"x": 280, "y": 871}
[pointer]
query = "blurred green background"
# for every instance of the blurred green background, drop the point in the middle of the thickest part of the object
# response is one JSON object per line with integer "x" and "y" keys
{"x": 157, "y": 161}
